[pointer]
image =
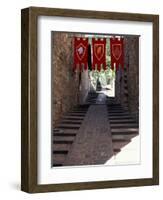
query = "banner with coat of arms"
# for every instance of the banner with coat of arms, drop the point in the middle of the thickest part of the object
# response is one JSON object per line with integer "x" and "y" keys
{"x": 99, "y": 53}
{"x": 80, "y": 53}
{"x": 117, "y": 52}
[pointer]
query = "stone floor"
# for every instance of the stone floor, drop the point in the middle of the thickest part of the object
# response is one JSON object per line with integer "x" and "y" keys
{"x": 100, "y": 132}
{"x": 93, "y": 143}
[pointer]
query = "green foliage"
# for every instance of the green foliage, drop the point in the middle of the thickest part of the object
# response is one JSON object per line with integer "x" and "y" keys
{"x": 104, "y": 76}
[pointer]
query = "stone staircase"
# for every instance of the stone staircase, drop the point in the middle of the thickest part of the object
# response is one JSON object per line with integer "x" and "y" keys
{"x": 123, "y": 126}
{"x": 64, "y": 134}
{"x": 125, "y": 89}
{"x": 92, "y": 97}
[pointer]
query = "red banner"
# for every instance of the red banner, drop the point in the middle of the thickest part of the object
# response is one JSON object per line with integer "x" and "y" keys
{"x": 99, "y": 53}
{"x": 117, "y": 52}
{"x": 80, "y": 53}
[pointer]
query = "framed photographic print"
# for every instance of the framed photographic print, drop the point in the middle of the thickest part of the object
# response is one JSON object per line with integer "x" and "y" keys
{"x": 90, "y": 99}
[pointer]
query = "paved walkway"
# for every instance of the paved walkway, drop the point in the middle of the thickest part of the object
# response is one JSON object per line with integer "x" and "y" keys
{"x": 101, "y": 98}
{"x": 93, "y": 143}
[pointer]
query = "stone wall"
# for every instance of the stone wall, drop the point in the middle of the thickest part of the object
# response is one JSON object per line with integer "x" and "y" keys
{"x": 118, "y": 86}
{"x": 84, "y": 86}
{"x": 127, "y": 80}
{"x": 68, "y": 89}
{"x": 133, "y": 75}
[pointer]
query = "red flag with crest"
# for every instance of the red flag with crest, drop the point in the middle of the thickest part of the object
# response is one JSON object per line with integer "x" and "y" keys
{"x": 80, "y": 53}
{"x": 117, "y": 52}
{"x": 99, "y": 53}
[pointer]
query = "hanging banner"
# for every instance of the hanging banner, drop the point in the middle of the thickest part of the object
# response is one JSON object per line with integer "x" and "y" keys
{"x": 117, "y": 52}
{"x": 99, "y": 53}
{"x": 80, "y": 53}
{"x": 89, "y": 58}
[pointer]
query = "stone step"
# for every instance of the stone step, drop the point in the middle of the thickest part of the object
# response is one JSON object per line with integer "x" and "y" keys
{"x": 62, "y": 142}
{"x": 58, "y": 147}
{"x": 115, "y": 111}
{"x": 118, "y": 114}
{"x": 76, "y": 115}
{"x": 119, "y": 140}
{"x": 115, "y": 121}
{"x": 59, "y": 159}
{"x": 57, "y": 130}
{"x": 113, "y": 105}
{"x": 123, "y": 138}
{"x": 65, "y": 134}
{"x": 68, "y": 126}
{"x": 120, "y": 143}
{"x": 119, "y": 117}
{"x": 63, "y": 138}
{"x": 77, "y": 112}
{"x": 93, "y": 99}
{"x": 116, "y": 150}
{"x": 80, "y": 110}
{"x": 72, "y": 127}
{"x": 73, "y": 118}
{"x": 124, "y": 125}
{"x": 124, "y": 130}
{"x": 60, "y": 152}
{"x": 71, "y": 122}
{"x": 65, "y": 131}
{"x": 83, "y": 106}
{"x": 129, "y": 134}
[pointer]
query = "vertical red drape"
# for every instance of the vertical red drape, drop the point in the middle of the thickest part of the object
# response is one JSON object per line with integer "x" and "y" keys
{"x": 99, "y": 53}
{"x": 117, "y": 52}
{"x": 80, "y": 53}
